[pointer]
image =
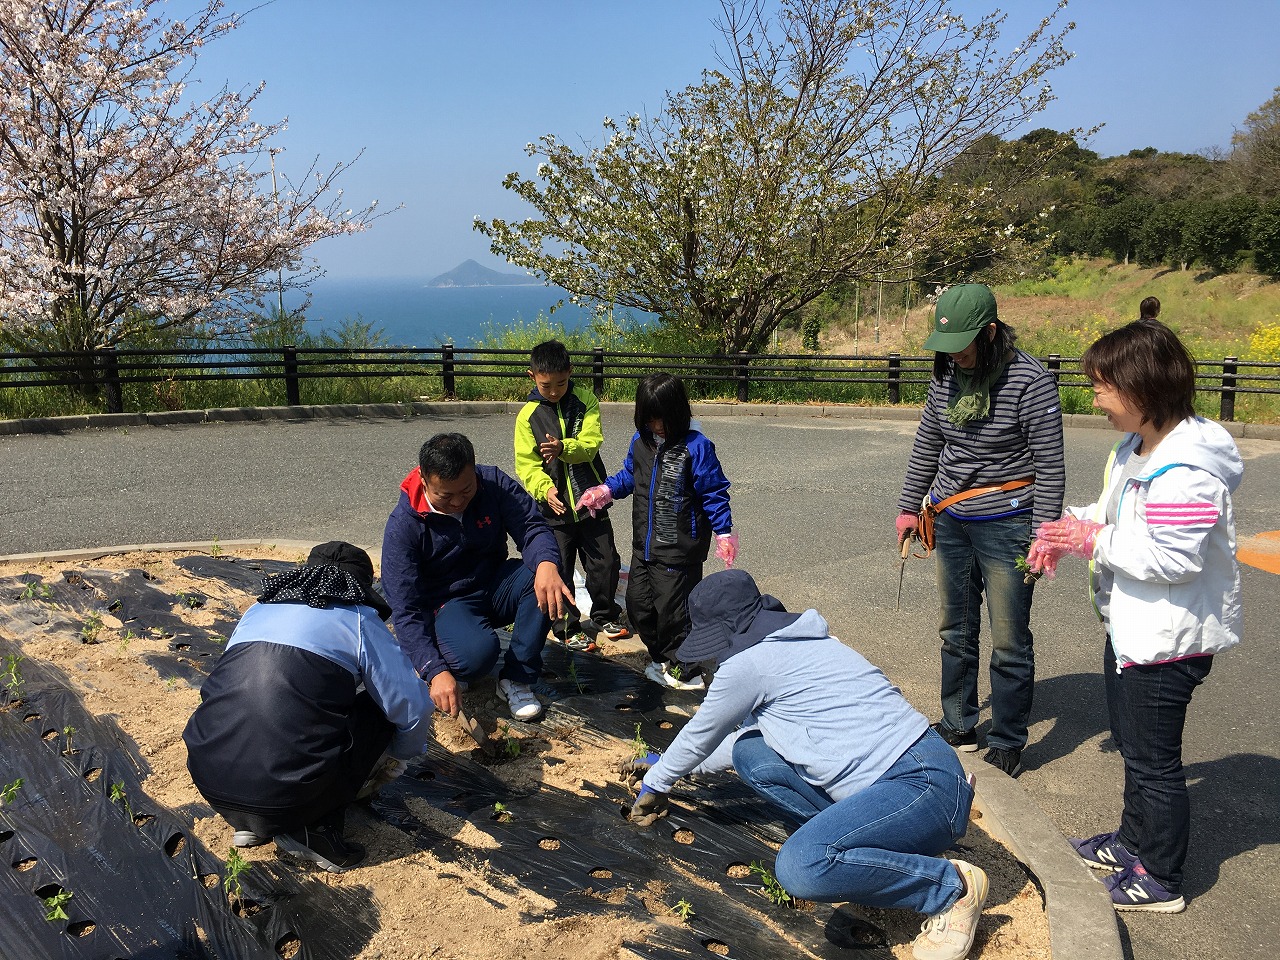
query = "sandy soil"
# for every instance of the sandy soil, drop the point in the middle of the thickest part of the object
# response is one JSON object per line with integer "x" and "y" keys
{"x": 414, "y": 884}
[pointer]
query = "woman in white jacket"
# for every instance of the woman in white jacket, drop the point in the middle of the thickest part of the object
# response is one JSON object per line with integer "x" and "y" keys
{"x": 1161, "y": 544}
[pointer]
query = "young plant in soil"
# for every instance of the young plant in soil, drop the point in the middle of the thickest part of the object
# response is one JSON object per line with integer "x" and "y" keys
{"x": 92, "y": 627}
{"x": 683, "y": 909}
{"x": 236, "y": 865}
{"x": 69, "y": 733}
{"x": 12, "y": 675}
{"x": 639, "y": 748}
{"x": 501, "y": 813}
{"x": 53, "y": 906}
{"x": 118, "y": 796}
{"x": 9, "y": 791}
{"x": 510, "y": 743}
{"x": 35, "y": 590}
{"x": 772, "y": 888}
{"x": 573, "y": 674}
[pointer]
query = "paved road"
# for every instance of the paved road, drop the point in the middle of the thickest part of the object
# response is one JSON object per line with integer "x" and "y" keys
{"x": 814, "y": 502}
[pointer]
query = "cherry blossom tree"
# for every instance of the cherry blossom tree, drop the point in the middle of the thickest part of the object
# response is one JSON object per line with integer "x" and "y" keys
{"x": 124, "y": 205}
{"x": 816, "y": 154}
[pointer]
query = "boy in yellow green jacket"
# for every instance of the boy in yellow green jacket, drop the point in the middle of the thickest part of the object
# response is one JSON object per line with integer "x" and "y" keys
{"x": 557, "y": 450}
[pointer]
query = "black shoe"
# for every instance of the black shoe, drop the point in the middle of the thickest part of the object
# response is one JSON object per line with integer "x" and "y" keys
{"x": 963, "y": 742}
{"x": 323, "y": 846}
{"x": 1008, "y": 759}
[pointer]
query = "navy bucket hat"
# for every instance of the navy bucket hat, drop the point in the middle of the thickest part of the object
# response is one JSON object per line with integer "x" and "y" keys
{"x": 729, "y": 614}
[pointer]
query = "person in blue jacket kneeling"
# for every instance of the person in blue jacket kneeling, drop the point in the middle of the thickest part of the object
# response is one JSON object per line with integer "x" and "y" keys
{"x": 833, "y": 746}
{"x": 312, "y": 703}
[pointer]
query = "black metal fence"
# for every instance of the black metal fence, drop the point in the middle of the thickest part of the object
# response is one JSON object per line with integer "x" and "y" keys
{"x": 108, "y": 372}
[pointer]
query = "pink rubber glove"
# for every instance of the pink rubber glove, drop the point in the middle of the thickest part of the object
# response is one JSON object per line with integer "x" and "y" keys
{"x": 906, "y": 525}
{"x": 1070, "y": 536}
{"x": 1043, "y": 559}
{"x": 595, "y": 498}
{"x": 727, "y": 548}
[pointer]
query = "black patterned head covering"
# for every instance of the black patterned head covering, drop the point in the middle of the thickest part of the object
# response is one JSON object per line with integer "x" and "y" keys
{"x": 335, "y": 572}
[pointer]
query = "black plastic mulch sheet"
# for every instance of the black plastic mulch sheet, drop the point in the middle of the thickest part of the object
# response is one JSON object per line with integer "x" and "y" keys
{"x": 143, "y": 887}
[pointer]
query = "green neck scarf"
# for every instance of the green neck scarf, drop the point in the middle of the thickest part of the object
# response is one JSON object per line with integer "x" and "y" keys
{"x": 973, "y": 401}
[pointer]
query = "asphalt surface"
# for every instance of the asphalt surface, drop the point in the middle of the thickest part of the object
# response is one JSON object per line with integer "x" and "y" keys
{"x": 814, "y": 501}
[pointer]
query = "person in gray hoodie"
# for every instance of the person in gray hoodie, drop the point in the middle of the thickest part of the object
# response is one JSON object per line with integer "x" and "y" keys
{"x": 832, "y": 745}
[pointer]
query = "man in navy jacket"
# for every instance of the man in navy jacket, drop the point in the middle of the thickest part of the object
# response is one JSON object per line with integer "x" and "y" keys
{"x": 446, "y": 572}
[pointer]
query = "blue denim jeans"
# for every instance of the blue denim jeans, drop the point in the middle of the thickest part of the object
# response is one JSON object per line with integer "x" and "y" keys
{"x": 1147, "y": 707}
{"x": 879, "y": 847}
{"x": 465, "y": 627}
{"x": 976, "y": 557}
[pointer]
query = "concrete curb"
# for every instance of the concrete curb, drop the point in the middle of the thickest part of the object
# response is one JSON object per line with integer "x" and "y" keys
{"x": 482, "y": 408}
{"x": 1082, "y": 922}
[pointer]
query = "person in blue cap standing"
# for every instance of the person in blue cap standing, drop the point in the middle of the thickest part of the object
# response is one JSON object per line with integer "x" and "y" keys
{"x": 988, "y": 462}
{"x": 833, "y": 746}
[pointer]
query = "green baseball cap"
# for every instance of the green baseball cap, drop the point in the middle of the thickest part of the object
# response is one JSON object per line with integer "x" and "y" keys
{"x": 963, "y": 310}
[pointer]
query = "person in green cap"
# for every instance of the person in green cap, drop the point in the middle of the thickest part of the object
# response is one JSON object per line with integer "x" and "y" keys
{"x": 987, "y": 463}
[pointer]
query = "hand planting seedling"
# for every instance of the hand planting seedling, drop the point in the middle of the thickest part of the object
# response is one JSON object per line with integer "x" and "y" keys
{"x": 12, "y": 675}
{"x": 53, "y": 906}
{"x": 92, "y": 627}
{"x": 69, "y": 732}
{"x": 1024, "y": 567}
{"x": 772, "y": 888}
{"x": 236, "y": 865}
{"x": 9, "y": 791}
{"x": 639, "y": 748}
{"x": 683, "y": 909}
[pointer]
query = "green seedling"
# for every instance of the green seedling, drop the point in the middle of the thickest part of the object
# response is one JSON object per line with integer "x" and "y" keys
{"x": 53, "y": 906}
{"x": 772, "y": 888}
{"x": 35, "y": 590}
{"x": 13, "y": 675}
{"x": 1023, "y": 566}
{"x": 171, "y": 684}
{"x": 69, "y": 733}
{"x": 92, "y": 627}
{"x": 125, "y": 639}
{"x": 191, "y": 600}
{"x": 675, "y": 671}
{"x": 9, "y": 791}
{"x": 215, "y": 550}
{"x": 683, "y": 909}
{"x": 501, "y": 812}
{"x": 639, "y": 748}
{"x": 218, "y": 638}
{"x": 573, "y": 674}
{"x": 118, "y": 796}
{"x": 510, "y": 743}
{"x": 236, "y": 865}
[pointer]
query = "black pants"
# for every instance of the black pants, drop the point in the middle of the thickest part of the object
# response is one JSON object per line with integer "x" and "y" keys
{"x": 591, "y": 541}
{"x": 658, "y": 606}
{"x": 320, "y": 804}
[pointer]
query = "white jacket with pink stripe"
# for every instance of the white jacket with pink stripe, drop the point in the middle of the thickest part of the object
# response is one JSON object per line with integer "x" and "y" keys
{"x": 1175, "y": 581}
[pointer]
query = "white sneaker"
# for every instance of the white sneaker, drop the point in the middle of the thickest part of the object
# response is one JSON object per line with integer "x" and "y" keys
{"x": 521, "y": 699}
{"x": 949, "y": 935}
{"x": 247, "y": 838}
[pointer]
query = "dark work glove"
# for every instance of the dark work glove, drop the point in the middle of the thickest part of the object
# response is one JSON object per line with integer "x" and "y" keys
{"x": 633, "y": 771}
{"x": 650, "y": 807}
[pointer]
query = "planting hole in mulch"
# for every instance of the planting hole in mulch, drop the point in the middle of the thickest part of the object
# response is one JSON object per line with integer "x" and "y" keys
{"x": 209, "y": 880}
{"x": 173, "y": 846}
{"x": 288, "y": 946}
{"x": 245, "y": 908}
{"x": 738, "y": 871}
{"x": 5, "y": 835}
{"x": 31, "y": 718}
{"x": 142, "y": 819}
{"x": 92, "y": 774}
{"x": 683, "y": 836}
{"x": 549, "y": 843}
{"x": 600, "y": 873}
{"x": 49, "y": 735}
{"x": 26, "y": 863}
{"x": 81, "y": 928}
{"x": 716, "y": 947}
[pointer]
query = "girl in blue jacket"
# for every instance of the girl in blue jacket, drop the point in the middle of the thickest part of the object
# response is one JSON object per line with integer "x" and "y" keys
{"x": 681, "y": 501}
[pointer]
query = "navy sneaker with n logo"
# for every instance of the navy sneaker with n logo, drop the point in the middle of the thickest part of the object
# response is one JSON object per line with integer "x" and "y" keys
{"x": 1135, "y": 889}
{"x": 1104, "y": 852}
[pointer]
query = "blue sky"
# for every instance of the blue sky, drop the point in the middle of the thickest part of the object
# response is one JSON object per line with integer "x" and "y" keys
{"x": 442, "y": 95}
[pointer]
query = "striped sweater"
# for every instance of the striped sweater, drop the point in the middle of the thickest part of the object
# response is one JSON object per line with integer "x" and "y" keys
{"x": 1022, "y": 437}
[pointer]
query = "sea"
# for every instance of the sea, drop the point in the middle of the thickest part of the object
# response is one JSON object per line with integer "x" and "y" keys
{"x": 411, "y": 314}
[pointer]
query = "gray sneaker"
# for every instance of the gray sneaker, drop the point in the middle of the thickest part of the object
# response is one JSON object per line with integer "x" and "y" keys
{"x": 247, "y": 838}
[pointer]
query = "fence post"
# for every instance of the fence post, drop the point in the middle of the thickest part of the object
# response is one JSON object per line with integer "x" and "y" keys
{"x": 111, "y": 379}
{"x": 1227, "y": 410}
{"x": 291, "y": 395}
{"x": 446, "y": 371}
{"x": 741, "y": 373}
{"x": 895, "y": 375}
{"x": 1054, "y": 365}
{"x": 597, "y": 370}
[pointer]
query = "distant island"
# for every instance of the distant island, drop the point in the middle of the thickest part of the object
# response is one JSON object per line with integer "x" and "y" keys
{"x": 471, "y": 274}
